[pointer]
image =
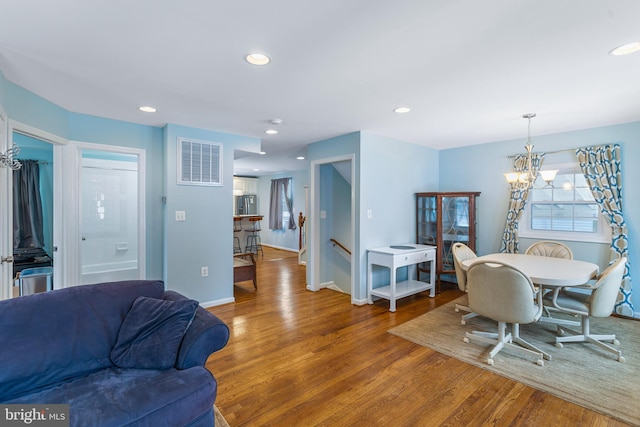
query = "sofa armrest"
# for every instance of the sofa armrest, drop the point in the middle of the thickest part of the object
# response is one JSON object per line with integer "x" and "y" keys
{"x": 206, "y": 335}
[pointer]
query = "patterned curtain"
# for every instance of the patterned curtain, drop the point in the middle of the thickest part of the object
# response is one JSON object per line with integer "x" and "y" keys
{"x": 517, "y": 202}
{"x": 601, "y": 168}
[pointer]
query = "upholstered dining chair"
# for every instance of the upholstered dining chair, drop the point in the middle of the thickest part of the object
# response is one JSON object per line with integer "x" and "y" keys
{"x": 599, "y": 303}
{"x": 462, "y": 252}
{"x": 504, "y": 293}
{"x": 549, "y": 248}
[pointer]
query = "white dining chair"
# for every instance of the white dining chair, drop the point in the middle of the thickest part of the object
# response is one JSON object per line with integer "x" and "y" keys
{"x": 504, "y": 293}
{"x": 598, "y": 303}
{"x": 462, "y": 252}
{"x": 549, "y": 248}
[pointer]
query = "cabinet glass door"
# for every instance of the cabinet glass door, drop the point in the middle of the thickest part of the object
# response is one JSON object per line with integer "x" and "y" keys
{"x": 455, "y": 226}
{"x": 427, "y": 220}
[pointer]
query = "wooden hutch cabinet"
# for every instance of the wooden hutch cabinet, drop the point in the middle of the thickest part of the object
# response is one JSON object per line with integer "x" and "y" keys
{"x": 443, "y": 219}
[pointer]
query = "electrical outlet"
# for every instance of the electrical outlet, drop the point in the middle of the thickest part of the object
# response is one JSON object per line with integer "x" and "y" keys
{"x": 181, "y": 216}
{"x": 204, "y": 271}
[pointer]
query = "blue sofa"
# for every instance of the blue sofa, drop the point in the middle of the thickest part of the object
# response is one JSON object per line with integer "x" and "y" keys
{"x": 119, "y": 354}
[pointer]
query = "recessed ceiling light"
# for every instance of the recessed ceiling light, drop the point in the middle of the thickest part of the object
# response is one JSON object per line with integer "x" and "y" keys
{"x": 256, "y": 170}
{"x": 626, "y": 49}
{"x": 402, "y": 110}
{"x": 257, "y": 59}
{"x": 271, "y": 131}
{"x": 147, "y": 109}
{"x": 263, "y": 153}
{"x": 300, "y": 157}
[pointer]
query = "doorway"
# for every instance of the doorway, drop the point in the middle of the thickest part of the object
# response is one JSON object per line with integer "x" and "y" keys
{"x": 32, "y": 202}
{"x": 333, "y": 217}
{"x": 106, "y": 222}
{"x": 39, "y": 151}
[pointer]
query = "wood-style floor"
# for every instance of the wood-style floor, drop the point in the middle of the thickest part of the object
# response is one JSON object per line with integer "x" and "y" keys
{"x": 301, "y": 358}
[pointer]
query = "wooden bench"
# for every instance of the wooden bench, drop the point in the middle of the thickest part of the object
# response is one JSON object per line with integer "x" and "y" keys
{"x": 244, "y": 268}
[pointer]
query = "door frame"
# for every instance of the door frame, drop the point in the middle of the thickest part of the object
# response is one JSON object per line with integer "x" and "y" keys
{"x": 313, "y": 259}
{"x": 6, "y": 216}
{"x": 58, "y": 144}
{"x": 74, "y": 209}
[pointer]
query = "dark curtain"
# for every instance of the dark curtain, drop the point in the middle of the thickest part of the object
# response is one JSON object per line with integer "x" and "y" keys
{"x": 27, "y": 206}
{"x": 280, "y": 190}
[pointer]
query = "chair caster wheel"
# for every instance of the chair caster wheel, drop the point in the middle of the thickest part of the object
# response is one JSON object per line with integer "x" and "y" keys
{"x": 490, "y": 362}
{"x": 616, "y": 342}
{"x": 465, "y": 339}
{"x": 457, "y": 310}
{"x": 559, "y": 344}
{"x": 561, "y": 331}
{"x": 540, "y": 362}
{"x": 463, "y": 322}
{"x": 621, "y": 359}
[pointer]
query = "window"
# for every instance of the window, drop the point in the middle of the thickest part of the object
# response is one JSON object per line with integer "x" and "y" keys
{"x": 285, "y": 208}
{"x": 281, "y": 205}
{"x": 199, "y": 162}
{"x": 564, "y": 210}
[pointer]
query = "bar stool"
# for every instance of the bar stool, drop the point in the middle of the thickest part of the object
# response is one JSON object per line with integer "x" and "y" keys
{"x": 237, "y": 227}
{"x": 253, "y": 239}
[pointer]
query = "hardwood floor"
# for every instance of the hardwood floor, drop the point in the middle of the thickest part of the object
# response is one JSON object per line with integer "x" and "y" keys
{"x": 301, "y": 358}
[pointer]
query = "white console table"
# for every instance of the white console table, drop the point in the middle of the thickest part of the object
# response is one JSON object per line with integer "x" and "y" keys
{"x": 396, "y": 256}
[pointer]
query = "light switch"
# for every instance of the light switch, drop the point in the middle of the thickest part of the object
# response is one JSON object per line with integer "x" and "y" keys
{"x": 323, "y": 214}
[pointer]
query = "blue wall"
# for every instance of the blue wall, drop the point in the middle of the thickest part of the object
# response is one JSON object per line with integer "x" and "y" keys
{"x": 480, "y": 168}
{"x": 393, "y": 172}
{"x": 205, "y": 239}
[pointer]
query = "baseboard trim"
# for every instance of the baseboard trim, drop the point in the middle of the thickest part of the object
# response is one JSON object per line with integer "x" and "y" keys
{"x": 214, "y": 303}
{"x": 282, "y": 248}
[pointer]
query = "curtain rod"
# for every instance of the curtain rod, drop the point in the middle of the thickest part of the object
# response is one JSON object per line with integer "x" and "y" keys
{"x": 40, "y": 162}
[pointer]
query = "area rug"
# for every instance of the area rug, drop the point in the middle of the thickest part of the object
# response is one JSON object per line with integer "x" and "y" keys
{"x": 219, "y": 419}
{"x": 579, "y": 373}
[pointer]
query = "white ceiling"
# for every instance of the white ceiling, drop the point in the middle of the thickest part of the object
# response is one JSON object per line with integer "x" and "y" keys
{"x": 468, "y": 69}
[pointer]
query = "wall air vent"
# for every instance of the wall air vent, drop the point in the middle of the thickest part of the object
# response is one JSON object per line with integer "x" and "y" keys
{"x": 199, "y": 162}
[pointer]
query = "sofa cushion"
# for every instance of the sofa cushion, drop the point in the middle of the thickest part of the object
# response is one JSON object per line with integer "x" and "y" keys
{"x": 52, "y": 337}
{"x": 151, "y": 333}
{"x": 128, "y": 397}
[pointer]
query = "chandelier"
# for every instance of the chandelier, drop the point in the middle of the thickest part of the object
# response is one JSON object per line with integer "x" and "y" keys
{"x": 7, "y": 158}
{"x": 526, "y": 178}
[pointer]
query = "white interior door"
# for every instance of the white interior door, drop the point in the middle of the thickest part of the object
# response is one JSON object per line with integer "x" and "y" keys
{"x": 111, "y": 210}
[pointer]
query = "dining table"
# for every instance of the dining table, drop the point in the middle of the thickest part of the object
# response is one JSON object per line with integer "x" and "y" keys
{"x": 547, "y": 272}
{"x": 544, "y": 271}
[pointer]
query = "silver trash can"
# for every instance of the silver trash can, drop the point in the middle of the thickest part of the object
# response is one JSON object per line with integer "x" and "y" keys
{"x": 35, "y": 280}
